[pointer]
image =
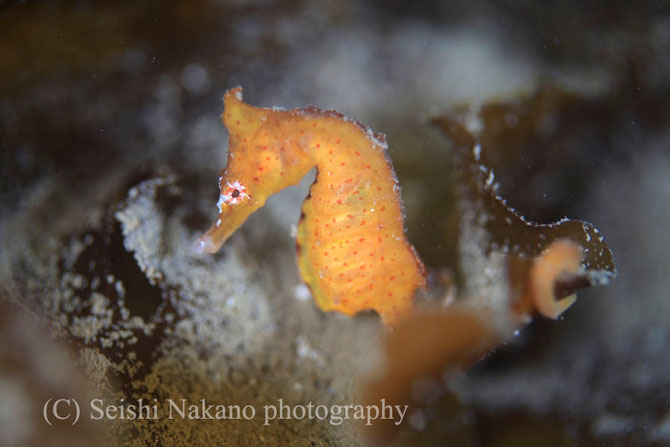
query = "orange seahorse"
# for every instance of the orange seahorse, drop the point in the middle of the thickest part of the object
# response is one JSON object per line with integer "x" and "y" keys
{"x": 352, "y": 251}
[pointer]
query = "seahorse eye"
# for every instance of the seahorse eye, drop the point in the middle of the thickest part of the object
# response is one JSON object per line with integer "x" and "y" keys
{"x": 235, "y": 194}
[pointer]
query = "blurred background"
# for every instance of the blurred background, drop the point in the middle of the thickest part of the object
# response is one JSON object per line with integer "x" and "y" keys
{"x": 96, "y": 97}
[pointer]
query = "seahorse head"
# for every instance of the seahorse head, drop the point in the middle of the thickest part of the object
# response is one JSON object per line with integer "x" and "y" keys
{"x": 263, "y": 158}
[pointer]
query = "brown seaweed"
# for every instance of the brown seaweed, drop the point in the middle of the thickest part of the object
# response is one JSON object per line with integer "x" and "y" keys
{"x": 513, "y": 270}
{"x": 508, "y": 231}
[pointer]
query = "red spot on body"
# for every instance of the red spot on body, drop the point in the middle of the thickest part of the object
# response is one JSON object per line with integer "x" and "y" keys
{"x": 383, "y": 208}
{"x": 339, "y": 201}
{"x": 362, "y": 223}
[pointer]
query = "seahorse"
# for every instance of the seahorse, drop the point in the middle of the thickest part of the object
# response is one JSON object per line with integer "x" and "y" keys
{"x": 351, "y": 245}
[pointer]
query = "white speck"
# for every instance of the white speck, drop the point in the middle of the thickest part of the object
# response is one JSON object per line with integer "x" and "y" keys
{"x": 230, "y": 302}
{"x": 489, "y": 181}
{"x": 294, "y": 230}
{"x": 221, "y": 201}
{"x": 302, "y": 292}
{"x": 516, "y": 333}
{"x": 120, "y": 290}
{"x": 304, "y": 350}
{"x": 372, "y": 210}
{"x": 377, "y": 141}
{"x": 477, "y": 151}
{"x": 218, "y": 222}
